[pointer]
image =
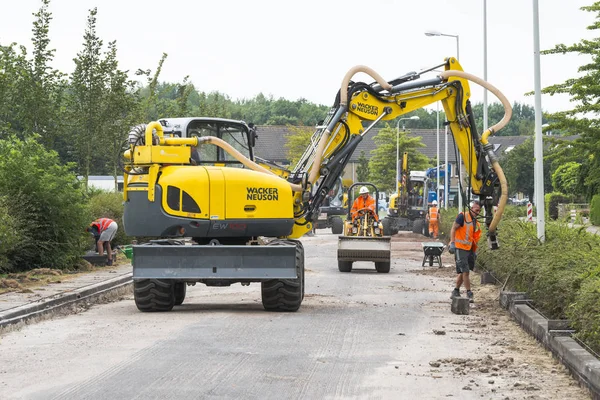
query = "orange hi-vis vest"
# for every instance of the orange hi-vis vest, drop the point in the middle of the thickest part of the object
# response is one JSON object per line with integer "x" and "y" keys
{"x": 433, "y": 214}
{"x": 102, "y": 223}
{"x": 467, "y": 236}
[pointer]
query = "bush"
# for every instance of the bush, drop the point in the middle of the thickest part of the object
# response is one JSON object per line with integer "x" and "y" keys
{"x": 109, "y": 205}
{"x": 552, "y": 199}
{"x": 46, "y": 203}
{"x": 10, "y": 236}
{"x": 585, "y": 312}
{"x": 595, "y": 210}
{"x": 555, "y": 273}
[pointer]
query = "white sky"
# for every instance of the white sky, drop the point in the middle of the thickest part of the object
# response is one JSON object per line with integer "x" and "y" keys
{"x": 304, "y": 48}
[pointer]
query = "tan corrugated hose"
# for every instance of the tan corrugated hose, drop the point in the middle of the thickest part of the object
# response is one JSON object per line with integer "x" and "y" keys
{"x": 507, "y": 114}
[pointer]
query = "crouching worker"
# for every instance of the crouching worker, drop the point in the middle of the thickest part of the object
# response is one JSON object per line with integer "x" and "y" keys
{"x": 464, "y": 236}
{"x": 104, "y": 231}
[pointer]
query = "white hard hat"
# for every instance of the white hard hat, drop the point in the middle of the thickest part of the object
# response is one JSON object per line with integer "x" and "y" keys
{"x": 434, "y": 202}
{"x": 363, "y": 189}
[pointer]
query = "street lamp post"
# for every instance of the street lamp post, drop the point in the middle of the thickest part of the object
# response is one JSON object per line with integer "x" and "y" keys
{"x": 459, "y": 161}
{"x": 414, "y": 118}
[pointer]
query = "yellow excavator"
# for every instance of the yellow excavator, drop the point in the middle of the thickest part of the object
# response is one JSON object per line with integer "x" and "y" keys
{"x": 221, "y": 218}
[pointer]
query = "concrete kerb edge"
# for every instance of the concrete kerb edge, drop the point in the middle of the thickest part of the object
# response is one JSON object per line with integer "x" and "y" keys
{"x": 66, "y": 299}
{"x": 582, "y": 364}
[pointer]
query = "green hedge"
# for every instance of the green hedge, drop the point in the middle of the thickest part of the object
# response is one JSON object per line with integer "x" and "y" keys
{"x": 45, "y": 204}
{"x": 553, "y": 199}
{"x": 10, "y": 236}
{"x": 561, "y": 275}
{"x": 595, "y": 210}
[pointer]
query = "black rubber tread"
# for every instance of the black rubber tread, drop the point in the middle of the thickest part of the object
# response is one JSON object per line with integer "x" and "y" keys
{"x": 382, "y": 267}
{"x": 285, "y": 294}
{"x": 180, "y": 289}
{"x": 337, "y": 225}
{"x": 345, "y": 266}
{"x": 387, "y": 227}
{"x": 431, "y": 261}
{"x": 425, "y": 228}
{"x": 418, "y": 226}
{"x": 154, "y": 294}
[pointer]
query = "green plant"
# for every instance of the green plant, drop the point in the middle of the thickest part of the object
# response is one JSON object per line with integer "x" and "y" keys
{"x": 555, "y": 273}
{"x": 10, "y": 236}
{"x": 46, "y": 204}
{"x": 553, "y": 199}
{"x": 595, "y": 210}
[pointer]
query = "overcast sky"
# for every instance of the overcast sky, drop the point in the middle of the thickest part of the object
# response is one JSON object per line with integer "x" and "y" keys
{"x": 302, "y": 49}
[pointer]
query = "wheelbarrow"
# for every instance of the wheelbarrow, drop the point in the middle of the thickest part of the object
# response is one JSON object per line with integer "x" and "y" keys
{"x": 432, "y": 251}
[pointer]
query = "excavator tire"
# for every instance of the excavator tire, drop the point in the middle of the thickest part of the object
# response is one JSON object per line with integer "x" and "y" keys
{"x": 387, "y": 227}
{"x": 345, "y": 266}
{"x": 382, "y": 267}
{"x": 154, "y": 294}
{"x": 180, "y": 290}
{"x": 337, "y": 225}
{"x": 418, "y": 226}
{"x": 285, "y": 294}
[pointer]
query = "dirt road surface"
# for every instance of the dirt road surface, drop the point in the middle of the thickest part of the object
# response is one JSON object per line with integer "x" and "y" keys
{"x": 359, "y": 335}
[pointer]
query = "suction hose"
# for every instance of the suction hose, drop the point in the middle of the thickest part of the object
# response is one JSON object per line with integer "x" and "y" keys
{"x": 343, "y": 107}
{"x": 484, "y": 139}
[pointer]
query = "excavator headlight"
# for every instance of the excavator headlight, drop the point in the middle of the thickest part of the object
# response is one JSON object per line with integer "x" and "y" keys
{"x": 377, "y": 231}
{"x": 354, "y": 229}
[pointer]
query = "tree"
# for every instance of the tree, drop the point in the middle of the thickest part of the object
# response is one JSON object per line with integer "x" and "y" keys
{"x": 582, "y": 119}
{"x": 87, "y": 89}
{"x": 362, "y": 171}
{"x": 46, "y": 86}
{"x": 565, "y": 178}
{"x": 518, "y": 168}
{"x": 297, "y": 142}
{"x": 382, "y": 166}
{"x": 118, "y": 110}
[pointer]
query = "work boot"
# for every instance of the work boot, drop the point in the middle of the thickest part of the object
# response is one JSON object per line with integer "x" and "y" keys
{"x": 470, "y": 296}
{"x": 109, "y": 262}
{"x": 455, "y": 293}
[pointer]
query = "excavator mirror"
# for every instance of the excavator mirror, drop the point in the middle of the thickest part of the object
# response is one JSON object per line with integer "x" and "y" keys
{"x": 252, "y": 136}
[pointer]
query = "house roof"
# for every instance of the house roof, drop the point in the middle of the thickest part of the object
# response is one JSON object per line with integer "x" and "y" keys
{"x": 272, "y": 139}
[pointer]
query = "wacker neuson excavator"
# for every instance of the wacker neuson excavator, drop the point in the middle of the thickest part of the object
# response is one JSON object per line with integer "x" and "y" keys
{"x": 222, "y": 218}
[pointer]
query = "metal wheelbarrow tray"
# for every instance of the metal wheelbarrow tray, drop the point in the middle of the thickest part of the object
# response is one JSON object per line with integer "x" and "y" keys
{"x": 432, "y": 251}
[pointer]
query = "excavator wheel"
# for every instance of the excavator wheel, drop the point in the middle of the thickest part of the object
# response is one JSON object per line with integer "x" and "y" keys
{"x": 285, "y": 294}
{"x": 345, "y": 266}
{"x": 154, "y": 294}
{"x": 418, "y": 226}
{"x": 337, "y": 226}
{"x": 387, "y": 227}
{"x": 180, "y": 290}
{"x": 382, "y": 267}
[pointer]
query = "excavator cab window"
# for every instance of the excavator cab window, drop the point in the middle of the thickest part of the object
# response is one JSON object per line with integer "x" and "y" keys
{"x": 234, "y": 135}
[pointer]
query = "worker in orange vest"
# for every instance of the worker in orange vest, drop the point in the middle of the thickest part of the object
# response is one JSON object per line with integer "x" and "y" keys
{"x": 104, "y": 230}
{"x": 464, "y": 236}
{"x": 363, "y": 201}
{"x": 433, "y": 216}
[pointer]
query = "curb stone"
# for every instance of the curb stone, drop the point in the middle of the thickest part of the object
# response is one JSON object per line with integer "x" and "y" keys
{"x": 61, "y": 300}
{"x": 582, "y": 364}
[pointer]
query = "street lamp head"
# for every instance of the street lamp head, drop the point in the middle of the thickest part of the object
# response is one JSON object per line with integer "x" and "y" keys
{"x": 414, "y": 117}
{"x": 433, "y": 33}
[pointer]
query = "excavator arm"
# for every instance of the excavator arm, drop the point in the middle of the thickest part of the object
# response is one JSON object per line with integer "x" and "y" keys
{"x": 360, "y": 106}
